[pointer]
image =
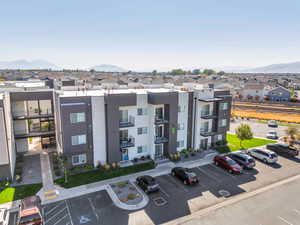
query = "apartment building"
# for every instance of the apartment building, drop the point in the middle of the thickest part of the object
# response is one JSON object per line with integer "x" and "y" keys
{"x": 106, "y": 126}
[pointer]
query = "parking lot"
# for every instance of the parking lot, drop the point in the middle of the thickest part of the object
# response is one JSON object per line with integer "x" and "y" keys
{"x": 174, "y": 200}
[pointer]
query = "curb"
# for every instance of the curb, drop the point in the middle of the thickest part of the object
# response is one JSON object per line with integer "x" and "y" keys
{"x": 125, "y": 206}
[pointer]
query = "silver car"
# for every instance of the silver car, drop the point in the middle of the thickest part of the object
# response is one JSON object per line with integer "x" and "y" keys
{"x": 266, "y": 156}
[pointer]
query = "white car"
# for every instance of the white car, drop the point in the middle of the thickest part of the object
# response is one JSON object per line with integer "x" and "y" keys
{"x": 265, "y": 155}
{"x": 4, "y": 216}
{"x": 272, "y": 134}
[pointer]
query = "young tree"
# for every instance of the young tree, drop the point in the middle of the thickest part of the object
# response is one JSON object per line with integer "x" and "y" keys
{"x": 243, "y": 132}
{"x": 291, "y": 131}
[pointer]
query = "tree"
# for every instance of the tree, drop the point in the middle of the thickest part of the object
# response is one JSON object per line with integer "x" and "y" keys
{"x": 291, "y": 131}
{"x": 154, "y": 72}
{"x": 221, "y": 73}
{"x": 64, "y": 163}
{"x": 178, "y": 72}
{"x": 243, "y": 132}
{"x": 196, "y": 71}
{"x": 209, "y": 71}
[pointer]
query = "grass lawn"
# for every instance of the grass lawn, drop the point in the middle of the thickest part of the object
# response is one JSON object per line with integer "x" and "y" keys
{"x": 234, "y": 143}
{"x": 15, "y": 193}
{"x": 101, "y": 174}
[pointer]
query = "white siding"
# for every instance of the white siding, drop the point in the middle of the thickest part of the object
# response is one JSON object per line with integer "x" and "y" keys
{"x": 99, "y": 130}
{"x": 183, "y": 100}
{"x": 4, "y": 160}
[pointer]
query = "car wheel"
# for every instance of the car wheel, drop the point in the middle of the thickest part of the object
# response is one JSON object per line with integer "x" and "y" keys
{"x": 265, "y": 160}
{"x": 230, "y": 171}
{"x": 216, "y": 163}
{"x": 185, "y": 182}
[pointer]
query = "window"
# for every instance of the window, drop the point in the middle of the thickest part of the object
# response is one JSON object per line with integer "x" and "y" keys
{"x": 180, "y": 144}
{"x": 180, "y": 126}
{"x": 79, "y": 139}
{"x": 142, "y": 111}
{"x": 142, "y": 149}
{"x": 123, "y": 115}
{"x": 142, "y": 130}
{"x": 77, "y": 117}
{"x": 205, "y": 110}
{"x": 181, "y": 108}
{"x": 78, "y": 159}
{"x": 223, "y": 123}
{"x": 224, "y": 105}
{"x": 220, "y": 137}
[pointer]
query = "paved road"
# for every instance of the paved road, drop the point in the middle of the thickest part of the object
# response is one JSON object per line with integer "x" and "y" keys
{"x": 278, "y": 206}
{"x": 259, "y": 129}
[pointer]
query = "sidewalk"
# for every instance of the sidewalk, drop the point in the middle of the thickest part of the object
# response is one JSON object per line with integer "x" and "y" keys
{"x": 103, "y": 185}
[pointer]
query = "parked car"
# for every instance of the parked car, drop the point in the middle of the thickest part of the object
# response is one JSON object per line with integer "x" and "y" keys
{"x": 244, "y": 160}
{"x": 147, "y": 183}
{"x": 4, "y": 216}
{"x": 272, "y": 134}
{"x": 185, "y": 175}
{"x": 283, "y": 149}
{"x": 266, "y": 156}
{"x": 228, "y": 164}
{"x": 272, "y": 123}
{"x": 30, "y": 211}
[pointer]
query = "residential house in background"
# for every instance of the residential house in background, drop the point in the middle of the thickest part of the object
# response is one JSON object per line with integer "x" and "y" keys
{"x": 278, "y": 94}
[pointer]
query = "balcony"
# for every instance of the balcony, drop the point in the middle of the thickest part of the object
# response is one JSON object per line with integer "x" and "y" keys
{"x": 207, "y": 133}
{"x": 159, "y": 121}
{"x": 127, "y": 123}
{"x": 208, "y": 116}
{"x": 25, "y": 117}
{"x": 160, "y": 140}
{"x": 127, "y": 143}
{"x": 35, "y": 134}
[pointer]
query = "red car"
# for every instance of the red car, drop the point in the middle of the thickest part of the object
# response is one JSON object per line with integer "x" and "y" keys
{"x": 228, "y": 164}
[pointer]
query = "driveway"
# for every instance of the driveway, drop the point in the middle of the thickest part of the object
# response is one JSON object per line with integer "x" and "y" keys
{"x": 259, "y": 129}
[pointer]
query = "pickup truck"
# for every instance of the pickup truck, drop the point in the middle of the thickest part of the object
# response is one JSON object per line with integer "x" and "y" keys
{"x": 283, "y": 149}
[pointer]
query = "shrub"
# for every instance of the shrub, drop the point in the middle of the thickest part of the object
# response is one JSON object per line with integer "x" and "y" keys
{"x": 98, "y": 165}
{"x": 122, "y": 184}
{"x": 88, "y": 167}
{"x": 57, "y": 172}
{"x": 18, "y": 178}
{"x": 186, "y": 155}
{"x": 106, "y": 166}
{"x": 114, "y": 165}
{"x": 77, "y": 170}
{"x": 148, "y": 157}
{"x": 193, "y": 154}
{"x": 131, "y": 196}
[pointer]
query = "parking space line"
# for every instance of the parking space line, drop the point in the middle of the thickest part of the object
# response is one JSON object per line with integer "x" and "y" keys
{"x": 69, "y": 213}
{"x": 178, "y": 182}
{"x": 60, "y": 219}
{"x": 297, "y": 211}
{"x": 284, "y": 220}
{"x": 55, "y": 207}
{"x": 209, "y": 175}
{"x": 94, "y": 209}
{"x": 223, "y": 171}
{"x": 55, "y": 214}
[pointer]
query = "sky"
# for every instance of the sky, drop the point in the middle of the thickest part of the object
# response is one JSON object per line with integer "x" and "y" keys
{"x": 151, "y": 34}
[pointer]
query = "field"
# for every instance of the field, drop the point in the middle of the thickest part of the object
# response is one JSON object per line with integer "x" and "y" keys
{"x": 284, "y": 117}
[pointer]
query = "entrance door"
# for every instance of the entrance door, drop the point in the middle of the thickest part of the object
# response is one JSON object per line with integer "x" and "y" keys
{"x": 204, "y": 144}
{"x": 159, "y": 131}
{"x": 158, "y": 151}
{"x": 125, "y": 154}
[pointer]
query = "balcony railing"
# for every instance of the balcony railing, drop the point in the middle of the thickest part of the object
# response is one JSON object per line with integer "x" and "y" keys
{"x": 207, "y": 133}
{"x": 159, "y": 120}
{"x": 206, "y": 115}
{"x": 24, "y": 117}
{"x": 127, "y": 143}
{"x": 127, "y": 123}
{"x": 35, "y": 134}
{"x": 160, "y": 140}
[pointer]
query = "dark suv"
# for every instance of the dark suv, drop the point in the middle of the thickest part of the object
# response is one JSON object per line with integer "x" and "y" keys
{"x": 185, "y": 175}
{"x": 244, "y": 160}
{"x": 283, "y": 149}
{"x": 147, "y": 183}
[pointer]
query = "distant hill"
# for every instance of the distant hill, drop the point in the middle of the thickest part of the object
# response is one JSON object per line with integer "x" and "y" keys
{"x": 108, "y": 68}
{"x": 27, "y": 65}
{"x": 277, "y": 68}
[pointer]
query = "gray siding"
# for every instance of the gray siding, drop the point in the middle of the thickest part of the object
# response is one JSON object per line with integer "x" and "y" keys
{"x": 112, "y": 104}
{"x": 170, "y": 100}
{"x": 190, "y": 119}
{"x": 75, "y": 105}
{"x": 32, "y": 95}
{"x": 5, "y": 172}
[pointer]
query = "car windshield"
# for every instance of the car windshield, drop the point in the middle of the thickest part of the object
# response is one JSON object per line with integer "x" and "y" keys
{"x": 191, "y": 175}
{"x": 273, "y": 155}
{"x": 231, "y": 162}
{"x": 250, "y": 160}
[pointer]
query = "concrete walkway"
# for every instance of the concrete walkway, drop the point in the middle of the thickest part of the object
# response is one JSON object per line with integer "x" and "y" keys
{"x": 103, "y": 185}
{"x": 49, "y": 189}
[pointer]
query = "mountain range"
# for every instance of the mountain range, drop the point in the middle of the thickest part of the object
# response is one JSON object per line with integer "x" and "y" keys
{"x": 293, "y": 67}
